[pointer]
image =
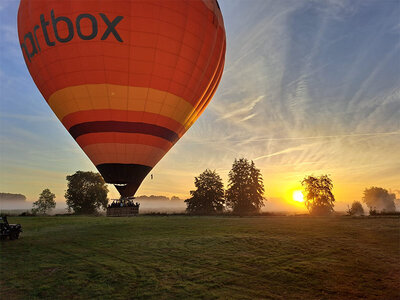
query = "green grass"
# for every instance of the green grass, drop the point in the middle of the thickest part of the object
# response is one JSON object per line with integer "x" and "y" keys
{"x": 180, "y": 257}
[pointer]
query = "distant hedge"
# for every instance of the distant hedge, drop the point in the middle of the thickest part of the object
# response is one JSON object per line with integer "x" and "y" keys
{"x": 14, "y": 197}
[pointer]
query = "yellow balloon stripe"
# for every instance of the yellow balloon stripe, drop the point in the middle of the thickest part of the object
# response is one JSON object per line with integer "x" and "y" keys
{"x": 110, "y": 96}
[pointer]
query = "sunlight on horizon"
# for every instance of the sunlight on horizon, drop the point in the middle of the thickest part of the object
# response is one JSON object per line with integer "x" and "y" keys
{"x": 298, "y": 196}
{"x": 306, "y": 89}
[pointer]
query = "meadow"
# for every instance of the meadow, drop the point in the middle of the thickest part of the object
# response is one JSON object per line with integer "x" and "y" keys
{"x": 182, "y": 257}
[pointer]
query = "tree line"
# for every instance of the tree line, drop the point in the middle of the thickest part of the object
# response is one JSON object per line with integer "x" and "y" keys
{"x": 87, "y": 193}
{"x": 245, "y": 191}
{"x": 377, "y": 199}
{"x": 13, "y": 197}
{"x": 244, "y": 195}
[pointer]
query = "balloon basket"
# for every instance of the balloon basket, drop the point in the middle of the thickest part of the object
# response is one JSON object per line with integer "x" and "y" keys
{"x": 123, "y": 207}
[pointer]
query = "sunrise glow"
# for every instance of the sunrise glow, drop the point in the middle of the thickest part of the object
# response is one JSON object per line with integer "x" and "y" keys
{"x": 298, "y": 196}
{"x": 283, "y": 106}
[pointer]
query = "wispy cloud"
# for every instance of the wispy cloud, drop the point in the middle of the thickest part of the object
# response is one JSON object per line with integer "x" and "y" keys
{"x": 237, "y": 111}
{"x": 29, "y": 117}
{"x": 308, "y": 87}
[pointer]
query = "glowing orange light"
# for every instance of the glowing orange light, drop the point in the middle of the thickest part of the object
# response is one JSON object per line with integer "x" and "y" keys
{"x": 298, "y": 196}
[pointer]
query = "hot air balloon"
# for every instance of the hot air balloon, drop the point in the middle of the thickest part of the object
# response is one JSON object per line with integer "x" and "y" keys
{"x": 127, "y": 78}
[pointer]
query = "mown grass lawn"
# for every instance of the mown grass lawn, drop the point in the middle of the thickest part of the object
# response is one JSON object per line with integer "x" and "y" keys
{"x": 180, "y": 257}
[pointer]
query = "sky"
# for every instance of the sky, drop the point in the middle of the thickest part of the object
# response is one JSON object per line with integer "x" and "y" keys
{"x": 309, "y": 87}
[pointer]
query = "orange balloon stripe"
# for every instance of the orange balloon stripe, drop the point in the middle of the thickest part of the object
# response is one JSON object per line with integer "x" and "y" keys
{"x": 205, "y": 99}
{"x": 94, "y": 97}
{"x": 121, "y": 115}
{"x": 124, "y": 154}
{"x": 212, "y": 90}
{"x": 208, "y": 97}
{"x": 159, "y": 49}
{"x": 123, "y": 138}
{"x": 210, "y": 68}
{"x": 211, "y": 94}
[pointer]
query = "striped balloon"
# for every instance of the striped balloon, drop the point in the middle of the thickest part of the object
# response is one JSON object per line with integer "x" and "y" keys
{"x": 127, "y": 78}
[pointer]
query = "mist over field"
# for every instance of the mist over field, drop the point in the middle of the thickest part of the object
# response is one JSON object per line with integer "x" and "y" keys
{"x": 14, "y": 201}
{"x": 164, "y": 204}
{"x": 161, "y": 204}
{"x": 148, "y": 204}
{"x": 11, "y": 204}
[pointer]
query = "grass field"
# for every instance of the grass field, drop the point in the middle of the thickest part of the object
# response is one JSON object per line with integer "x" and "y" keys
{"x": 180, "y": 257}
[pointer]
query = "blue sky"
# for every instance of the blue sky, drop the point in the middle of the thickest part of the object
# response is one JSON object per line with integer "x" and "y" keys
{"x": 309, "y": 87}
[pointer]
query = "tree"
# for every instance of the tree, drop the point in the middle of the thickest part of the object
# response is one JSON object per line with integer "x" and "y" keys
{"x": 356, "y": 209}
{"x": 45, "y": 202}
{"x": 245, "y": 187}
{"x": 379, "y": 199}
{"x": 319, "y": 198}
{"x": 208, "y": 197}
{"x": 86, "y": 192}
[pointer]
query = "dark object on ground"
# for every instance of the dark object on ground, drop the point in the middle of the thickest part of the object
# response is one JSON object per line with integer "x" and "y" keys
{"x": 375, "y": 213}
{"x": 9, "y": 230}
{"x": 123, "y": 207}
{"x": 26, "y": 214}
{"x": 64, "y": 215}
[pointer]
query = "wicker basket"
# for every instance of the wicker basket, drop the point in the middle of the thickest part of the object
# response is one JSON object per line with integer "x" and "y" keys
{"x": 127, "y": 211}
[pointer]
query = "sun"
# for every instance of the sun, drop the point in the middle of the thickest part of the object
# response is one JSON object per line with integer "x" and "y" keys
{"x": 298, "y": 196}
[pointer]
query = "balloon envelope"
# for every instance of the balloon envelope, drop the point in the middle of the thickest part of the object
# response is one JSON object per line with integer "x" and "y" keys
{"x": 126, "y": 78}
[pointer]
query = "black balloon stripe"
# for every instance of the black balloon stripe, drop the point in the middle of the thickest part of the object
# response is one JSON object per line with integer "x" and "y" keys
{"x": 127, "y": 127}
{"x": 131, "y": 175}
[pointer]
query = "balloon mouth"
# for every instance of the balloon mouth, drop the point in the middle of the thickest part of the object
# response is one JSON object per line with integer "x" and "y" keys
{"x": 126, "y": 178}
{"x": 127, "y": 190}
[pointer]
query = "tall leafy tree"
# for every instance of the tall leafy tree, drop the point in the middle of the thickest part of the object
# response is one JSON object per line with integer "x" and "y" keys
{"x": 45, "y": 202}
{"x": 379, "y": 199}
{"x": 86, "y": 192}
{"x": 319, "y": 197}
{"x": 245, "y": 188}
{"x": 208, "y": 197}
